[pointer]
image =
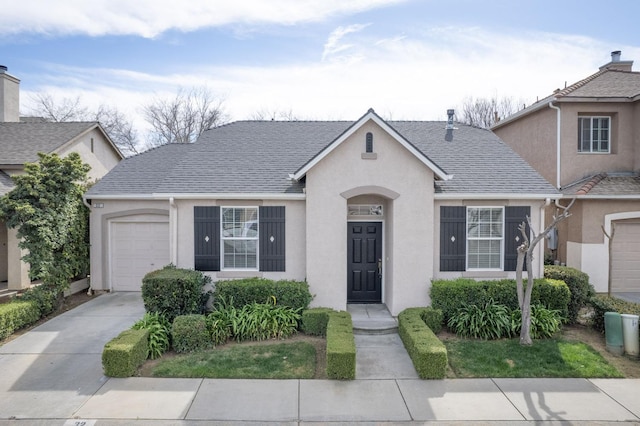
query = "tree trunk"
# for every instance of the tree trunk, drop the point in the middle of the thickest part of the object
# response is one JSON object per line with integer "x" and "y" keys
{"x": 525, "y": 309}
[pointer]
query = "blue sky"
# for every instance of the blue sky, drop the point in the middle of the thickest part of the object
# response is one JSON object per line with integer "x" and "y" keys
{"x": 326, "y": 59}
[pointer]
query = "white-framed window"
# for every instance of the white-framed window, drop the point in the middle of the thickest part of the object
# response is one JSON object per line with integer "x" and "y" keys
{"x": 594, "y": 134}
{"x": 239, "y": 238}
{"x": 485, "y": 238}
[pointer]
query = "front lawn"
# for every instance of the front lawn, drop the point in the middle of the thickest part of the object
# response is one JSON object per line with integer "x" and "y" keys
{"x": 555, "y": 357}
{"x": 267, "y": 360}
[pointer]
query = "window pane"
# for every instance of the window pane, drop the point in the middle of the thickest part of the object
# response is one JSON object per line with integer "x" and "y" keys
{"x": 240, "y": 254}
{"x": 239, "y": 235}
{"x": 484, "y": 234}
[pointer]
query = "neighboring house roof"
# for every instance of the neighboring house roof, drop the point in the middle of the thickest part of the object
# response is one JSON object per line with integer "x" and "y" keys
{"x": 257, "y": 157}
{"x": 606, "y": 85}
{"x": 20, "y": 142}
{"x": 606, "y": 185}
{"x": 6, "y": 183}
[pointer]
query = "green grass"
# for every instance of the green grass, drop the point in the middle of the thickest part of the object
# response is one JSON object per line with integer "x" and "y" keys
{"x": 545, "y": 358}
{"x": 296, "y": 360}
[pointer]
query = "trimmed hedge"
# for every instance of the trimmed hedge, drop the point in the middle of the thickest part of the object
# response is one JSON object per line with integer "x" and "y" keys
{"x": 294, "y": 294}
{"x": 189, "y": 333}
{"x": 341, "y": 347}
{"x": 171, "y": 291}
{"x": 433, "y": 318}
{"x": 122, "y": 356}
{"x": 451, "y": 295}
{"x": 428, "y": 353}
{"x": 314, "y": 321}
{"x": 603, "y": 303}
{"x": 578, "y": 283}
{"x": 15, "y": 315}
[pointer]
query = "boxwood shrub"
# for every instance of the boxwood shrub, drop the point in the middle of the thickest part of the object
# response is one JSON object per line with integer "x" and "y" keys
{"x": 189, "y": 333}
{"x": 171, "y": 291}
{"x": 428, "y": 353}
{"x": 15, "y": 315}
{"x": 314, "y": 321}
{"x": 341, "y": 347}
{"x": 122, "y": 356}
{"x": 578, "y": 283}
{"x": 240, "y": 292}
{"x": 451, "y": 295}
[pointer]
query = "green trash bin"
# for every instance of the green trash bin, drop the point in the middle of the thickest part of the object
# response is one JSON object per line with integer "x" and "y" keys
{"x": 613, "y": 332}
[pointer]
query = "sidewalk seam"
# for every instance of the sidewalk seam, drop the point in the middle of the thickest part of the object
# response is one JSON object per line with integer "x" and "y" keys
{"x": 507, "y": 398}
{"x": 195, "y": 394}
{"x": 612, "y": 398}
{"x": 404, "y": 400}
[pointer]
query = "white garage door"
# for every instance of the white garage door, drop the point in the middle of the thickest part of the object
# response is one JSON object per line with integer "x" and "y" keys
{"x": 137, "y": 248}
{"x": 625, "y": 266}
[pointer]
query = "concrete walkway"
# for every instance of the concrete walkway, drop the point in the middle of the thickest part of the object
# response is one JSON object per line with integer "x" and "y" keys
{"x": 52, "y": 375}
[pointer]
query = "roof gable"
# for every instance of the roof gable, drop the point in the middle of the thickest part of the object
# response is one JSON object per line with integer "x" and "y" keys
{"x": 20, "y": 142}
{"x": 371, "y": 116}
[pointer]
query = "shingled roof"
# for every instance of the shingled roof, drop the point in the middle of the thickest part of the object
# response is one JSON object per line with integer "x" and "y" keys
{"x": 604, "y": 86}
{"x": 20, "y": 142}
{"x": 256, "y": 157}
{"x": 604, "y": 185}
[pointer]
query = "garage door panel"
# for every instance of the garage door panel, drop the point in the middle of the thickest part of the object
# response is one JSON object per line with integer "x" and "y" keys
{"x": 137, "y": 248}
{"x": 625, "y": 258}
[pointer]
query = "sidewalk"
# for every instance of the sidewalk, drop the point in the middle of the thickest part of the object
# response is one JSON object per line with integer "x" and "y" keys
{"x": 52, "y": 375}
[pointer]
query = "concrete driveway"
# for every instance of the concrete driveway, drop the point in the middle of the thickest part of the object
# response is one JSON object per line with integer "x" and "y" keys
{"x": 55, "y": 368}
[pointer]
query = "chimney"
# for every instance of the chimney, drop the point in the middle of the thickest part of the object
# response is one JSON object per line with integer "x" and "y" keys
{"x": 617, "y": 64}
{"x": 615, "y": 55}
{"x": 9, "y": 96}
{"x": 450, "y": 113}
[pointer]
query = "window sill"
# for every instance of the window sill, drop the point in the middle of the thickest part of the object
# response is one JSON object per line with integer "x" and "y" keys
{"x": 239, "y": 274}
{"x": 369, "y": 156}
{"x": 485, "y": 274}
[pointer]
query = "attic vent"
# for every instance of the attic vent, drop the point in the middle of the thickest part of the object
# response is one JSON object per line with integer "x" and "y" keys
{"x": 450, "y": 113}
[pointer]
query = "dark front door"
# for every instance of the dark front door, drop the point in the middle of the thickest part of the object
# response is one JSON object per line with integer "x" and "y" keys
{"x": 364, "y": 262}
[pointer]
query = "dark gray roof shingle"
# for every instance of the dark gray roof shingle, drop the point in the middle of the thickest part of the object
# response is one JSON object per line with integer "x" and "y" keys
{"x": 258, "y": 156}
{"x": 20, "y": 142}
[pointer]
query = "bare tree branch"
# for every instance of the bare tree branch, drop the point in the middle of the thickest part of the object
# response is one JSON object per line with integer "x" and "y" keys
{"x": 485, "y": 112}
{"x": 184, "y": 118}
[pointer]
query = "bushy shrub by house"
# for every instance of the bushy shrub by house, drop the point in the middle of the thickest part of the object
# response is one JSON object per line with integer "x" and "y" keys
{"x": 172, "y": 292}
{"x": 427, "y": 352}
{"x": 189, "y": 333}
{"x": 15, "y": 315}
{"x": 240, "y": 292}
{"x": 603, "y": 303}
{"x": 578, "y": 282}
{"x": 451, "y": 295}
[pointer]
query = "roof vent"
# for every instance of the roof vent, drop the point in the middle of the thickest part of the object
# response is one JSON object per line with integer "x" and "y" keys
{"x": 615, "y": 56}
{"x": 3, "y": 69}
{"x": 450, "y": 113}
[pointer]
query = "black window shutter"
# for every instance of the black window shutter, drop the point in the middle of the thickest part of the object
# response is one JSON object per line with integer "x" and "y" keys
{"x": 514, "y": 216}
{"x": 453, "y": 243}
{"x": 206, "y": 226}
{"x": 272, "y": 238}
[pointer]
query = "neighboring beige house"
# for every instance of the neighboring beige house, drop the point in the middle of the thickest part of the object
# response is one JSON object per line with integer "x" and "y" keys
{"x": 20, "y": 143}
{"x": 585, "y": 139}
{"x": 367, "y": 211}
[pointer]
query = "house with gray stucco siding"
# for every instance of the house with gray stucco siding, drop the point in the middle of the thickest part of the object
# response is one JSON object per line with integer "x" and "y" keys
{"x": 366, "y": 212}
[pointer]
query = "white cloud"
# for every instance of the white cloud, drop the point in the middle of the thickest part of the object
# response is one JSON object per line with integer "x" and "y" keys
{"x": 402, "y": 77}
{"x": 335, "y": 43}
{"x": 149, "y": 18}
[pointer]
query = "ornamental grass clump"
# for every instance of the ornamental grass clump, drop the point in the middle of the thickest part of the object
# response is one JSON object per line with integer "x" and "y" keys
{"x": 254, "y": 321}
{"x": 490, "y": 321}
{"x": 159, "y": 333}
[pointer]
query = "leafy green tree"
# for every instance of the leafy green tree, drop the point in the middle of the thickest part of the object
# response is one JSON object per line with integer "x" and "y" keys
{"x": 52, "y": 221}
